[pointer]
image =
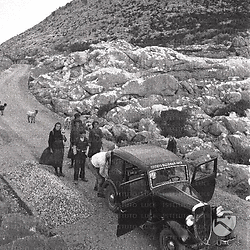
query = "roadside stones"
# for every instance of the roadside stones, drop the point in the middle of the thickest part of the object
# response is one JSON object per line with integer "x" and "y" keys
{"x": 18, "y": 231}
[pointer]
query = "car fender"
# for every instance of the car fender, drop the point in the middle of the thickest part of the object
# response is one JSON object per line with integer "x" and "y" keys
{"x": 178, "y": 230}
{"x": 110, "y": 182}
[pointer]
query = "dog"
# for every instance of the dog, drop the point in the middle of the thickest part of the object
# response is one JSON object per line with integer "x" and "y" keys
{"x": 32, "y": 116}
{"x": 2, "y": 107}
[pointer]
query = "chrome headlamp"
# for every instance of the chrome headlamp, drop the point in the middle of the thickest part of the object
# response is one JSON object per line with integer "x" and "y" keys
{"x": 219, "y": 211}
{"x": 190, "y": 220}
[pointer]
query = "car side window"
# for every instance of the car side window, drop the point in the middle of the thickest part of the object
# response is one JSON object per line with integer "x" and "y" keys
{"x": 204, "y": 170}
{"x": 136, "y": 183}
{"x": 116, "y": 171}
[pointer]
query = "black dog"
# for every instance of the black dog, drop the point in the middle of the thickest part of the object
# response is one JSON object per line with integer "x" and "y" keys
{"x": 2, "y": 107}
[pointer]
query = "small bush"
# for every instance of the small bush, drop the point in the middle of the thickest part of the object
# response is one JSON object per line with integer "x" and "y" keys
{"x": 188, "y": 39}
{"x": 173, "y": 122}
{"x": 60, "y": 47}
{"x": 79, "y": 46}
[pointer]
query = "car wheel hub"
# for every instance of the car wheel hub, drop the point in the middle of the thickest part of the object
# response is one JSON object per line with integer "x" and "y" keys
{"x": 170, "y": 245}
{"x": 112, "y": 197}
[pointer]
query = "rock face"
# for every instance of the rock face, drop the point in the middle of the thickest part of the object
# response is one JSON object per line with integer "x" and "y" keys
{"x": 241, "y": 46}
{"x": 145, "y": 90}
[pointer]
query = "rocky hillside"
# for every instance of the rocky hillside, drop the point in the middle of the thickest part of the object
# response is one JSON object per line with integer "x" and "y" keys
{"x": 143, "y": 95}
{"x": 213, "y": 24}
{"x": 148, "y": 70}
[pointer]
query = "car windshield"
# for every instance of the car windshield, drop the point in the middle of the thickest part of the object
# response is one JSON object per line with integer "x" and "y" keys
{"x": 166, "y": 175}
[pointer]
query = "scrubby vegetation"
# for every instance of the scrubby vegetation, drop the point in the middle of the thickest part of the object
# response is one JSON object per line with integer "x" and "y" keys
{"x": 149, "y": 22}
{"x": 173, "y": 122}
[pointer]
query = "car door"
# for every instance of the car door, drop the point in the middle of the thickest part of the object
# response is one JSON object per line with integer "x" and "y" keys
{"x": 135, "y": 209}
{"x": 203, "y": 179}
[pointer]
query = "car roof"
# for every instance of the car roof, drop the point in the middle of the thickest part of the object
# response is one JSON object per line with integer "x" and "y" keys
{"x": 146, "y": 155}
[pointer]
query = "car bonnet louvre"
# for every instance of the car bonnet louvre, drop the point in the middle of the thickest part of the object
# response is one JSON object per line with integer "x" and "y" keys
{"x": 203, "y": 222}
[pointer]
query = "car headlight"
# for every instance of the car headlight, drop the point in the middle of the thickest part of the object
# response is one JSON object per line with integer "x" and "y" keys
{"x": 190, "y": 220}
{"x": 219, "y": 211}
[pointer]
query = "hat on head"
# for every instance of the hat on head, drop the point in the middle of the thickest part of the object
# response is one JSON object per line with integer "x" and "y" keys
{"x": 82, "y": 131}
{"x": 77, "y": 115}
{"x": 108, "y": 154}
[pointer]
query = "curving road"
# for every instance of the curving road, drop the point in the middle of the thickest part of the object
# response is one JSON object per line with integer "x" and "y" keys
{"x": 21, "y": 141}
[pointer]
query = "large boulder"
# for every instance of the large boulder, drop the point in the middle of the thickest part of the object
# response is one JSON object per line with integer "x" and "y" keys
{"x": 109, "y": 77}
{"x": 225, "y": 147}
{"x": 234, "y": 124}
{"x": 123, "y": 132}
{"x": 128, "y": 114}
{"x": 217, "y": 129}
{"x": 232, "y": 97}
{"x": 49, "y": 64}
{"x": 77, "y": 58}
{"x": 77, "y": 93}
{"x": 148, "y": 125}
{"x": 198, "y": 156}
{"x": 150, "y": 100}
{"x": 60, "y": 105}
{"x": 163, "y": 84}
{"x": 93, "y": 88}
{"x": 241, "y": 145}
{"x": 188, "y": 144}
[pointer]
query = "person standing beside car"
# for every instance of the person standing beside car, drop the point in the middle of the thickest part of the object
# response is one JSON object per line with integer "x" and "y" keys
{"x": 95, "y": 139}
{"x": 56, "y": 145}
{"x": 100, "y": 163}
{"x": 80, "y": 151}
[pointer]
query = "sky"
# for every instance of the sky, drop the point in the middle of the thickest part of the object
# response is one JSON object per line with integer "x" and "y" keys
{"x": 16, "y": 16}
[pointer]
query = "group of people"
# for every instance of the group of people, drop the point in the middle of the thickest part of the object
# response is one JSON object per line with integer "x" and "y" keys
{"x": 83, "y": 144}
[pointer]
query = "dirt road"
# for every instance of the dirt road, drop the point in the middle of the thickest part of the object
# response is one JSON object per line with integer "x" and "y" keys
{"x": 21, "y": 141}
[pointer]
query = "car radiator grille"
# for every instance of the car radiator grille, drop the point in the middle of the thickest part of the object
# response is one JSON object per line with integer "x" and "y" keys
{"x": 203, "y": 222}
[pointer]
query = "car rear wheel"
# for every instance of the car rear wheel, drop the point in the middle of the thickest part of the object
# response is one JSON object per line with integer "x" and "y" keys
{"x": 168, "y": 241}
{"x": 110, "y": 195}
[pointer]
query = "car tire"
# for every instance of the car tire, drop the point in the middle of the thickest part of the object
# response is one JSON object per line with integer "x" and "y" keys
{"x": 110, "y": 196}
{"x": 168, "y": 241}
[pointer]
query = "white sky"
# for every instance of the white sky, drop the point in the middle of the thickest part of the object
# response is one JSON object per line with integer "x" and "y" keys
{"x": 16, "y": 16}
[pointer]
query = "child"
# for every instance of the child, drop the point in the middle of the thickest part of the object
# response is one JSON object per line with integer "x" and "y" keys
{"x": 80, "y": 151}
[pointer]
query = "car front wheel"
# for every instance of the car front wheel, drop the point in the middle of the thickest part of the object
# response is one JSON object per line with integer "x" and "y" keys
{"x": 110, "y": 196}
{"x": 168, "y": 241}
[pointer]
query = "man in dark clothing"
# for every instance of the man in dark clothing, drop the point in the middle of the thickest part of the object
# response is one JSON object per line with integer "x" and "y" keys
{"x": 172, "y": 144}
{"x": 76, "y": 127}
{"x": 80, "y": 151}
{"x": 95, "y": 139}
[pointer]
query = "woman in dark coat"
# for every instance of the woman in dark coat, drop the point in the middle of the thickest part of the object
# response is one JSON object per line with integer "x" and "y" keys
{"x": 95, "y": 139}
{"x": 56, "y": 145}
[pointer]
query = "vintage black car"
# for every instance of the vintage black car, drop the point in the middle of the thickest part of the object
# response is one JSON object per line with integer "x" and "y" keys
{"x": 150, "y": 186}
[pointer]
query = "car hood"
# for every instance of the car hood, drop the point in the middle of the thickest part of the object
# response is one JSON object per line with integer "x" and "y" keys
{"x": 174, "y": 194}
